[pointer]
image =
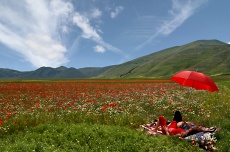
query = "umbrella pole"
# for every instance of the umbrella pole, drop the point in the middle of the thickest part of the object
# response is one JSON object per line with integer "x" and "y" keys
{"x": 189, "y": 95}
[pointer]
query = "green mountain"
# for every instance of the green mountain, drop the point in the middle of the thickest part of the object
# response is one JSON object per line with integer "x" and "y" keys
{"x": 94, "y": 71}
{"x": 8, "y": 73}
{"x": 48, "y": 72}
{"x": 52, "y": 73}
{"x": 211, "y": 57}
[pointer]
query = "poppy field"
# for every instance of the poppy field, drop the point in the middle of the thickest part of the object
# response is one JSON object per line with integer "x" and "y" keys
{"x": 28, "y": 104}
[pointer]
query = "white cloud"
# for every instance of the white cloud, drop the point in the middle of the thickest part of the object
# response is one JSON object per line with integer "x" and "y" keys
{"x": 64, "y": 29}
{"x": 89, "y": 32}
{"x": 99, "y": 49}
{"x": 33, "y": 28}
{"x": 228, "y": 42}
{"x": 96, "y": 13}
{"x": 179, "y": 13}
{"x": 117, "y": 11}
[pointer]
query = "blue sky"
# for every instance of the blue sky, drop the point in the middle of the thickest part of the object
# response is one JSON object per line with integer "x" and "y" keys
{"x": 98, "y": 33}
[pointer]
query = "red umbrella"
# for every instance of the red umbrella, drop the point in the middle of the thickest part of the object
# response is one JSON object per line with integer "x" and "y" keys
{"x": 196, "y": 80}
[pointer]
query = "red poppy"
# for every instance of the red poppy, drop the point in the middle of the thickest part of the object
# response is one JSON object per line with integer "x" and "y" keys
{"x": 103, "y": 108}
{"x": 112, "y": 104}
{"x": 8, "y": 114}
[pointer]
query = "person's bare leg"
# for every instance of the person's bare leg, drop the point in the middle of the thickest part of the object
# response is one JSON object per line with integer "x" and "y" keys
{"x": 186, "y": 133}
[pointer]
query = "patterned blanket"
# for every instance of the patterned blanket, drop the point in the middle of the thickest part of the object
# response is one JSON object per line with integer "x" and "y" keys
{"x": 149, "y": 128}
{"x": 204, "y": 140}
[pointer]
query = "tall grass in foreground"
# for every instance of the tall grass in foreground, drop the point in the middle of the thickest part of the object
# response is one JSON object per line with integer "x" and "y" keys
{"x": 86, "y": 137}
{"x": 107, "y": 120}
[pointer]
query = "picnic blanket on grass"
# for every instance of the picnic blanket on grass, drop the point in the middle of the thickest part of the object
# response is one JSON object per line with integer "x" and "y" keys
{"x": 149, "y": 128}
{"x": 204, "y": 140}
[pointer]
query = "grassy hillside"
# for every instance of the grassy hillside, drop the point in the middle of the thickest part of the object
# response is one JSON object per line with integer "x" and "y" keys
{"x": 209, "y": 56}
{"x": 94, "y": 71}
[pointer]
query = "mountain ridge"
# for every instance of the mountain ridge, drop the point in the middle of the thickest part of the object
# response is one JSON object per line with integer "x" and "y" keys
{"x": 164, "y": 63}
{"x": 61, "y": 72}
{"x": 211, "y": 57}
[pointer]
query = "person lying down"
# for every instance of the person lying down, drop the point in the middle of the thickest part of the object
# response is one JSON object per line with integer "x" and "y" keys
{"x": 177, "y": 127}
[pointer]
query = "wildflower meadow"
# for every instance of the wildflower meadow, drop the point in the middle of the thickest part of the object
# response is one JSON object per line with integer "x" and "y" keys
{"x": 104, "y": 115}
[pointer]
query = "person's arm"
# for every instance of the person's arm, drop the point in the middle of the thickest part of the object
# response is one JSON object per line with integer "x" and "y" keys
{"x": 186, "y": 123}
{"x": 166, "y": 130}
{"x": 189, "y": 127}
{"x": 180, "y": 124}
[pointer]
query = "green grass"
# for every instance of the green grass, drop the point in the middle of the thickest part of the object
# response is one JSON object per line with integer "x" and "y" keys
{"x": 120, "y": 131}
{"x": 89, "y": 137}
{"x": 210, "y": 57}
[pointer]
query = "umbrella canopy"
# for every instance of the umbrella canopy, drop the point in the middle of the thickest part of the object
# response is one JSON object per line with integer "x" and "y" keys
{"x": 196, "y": 80}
